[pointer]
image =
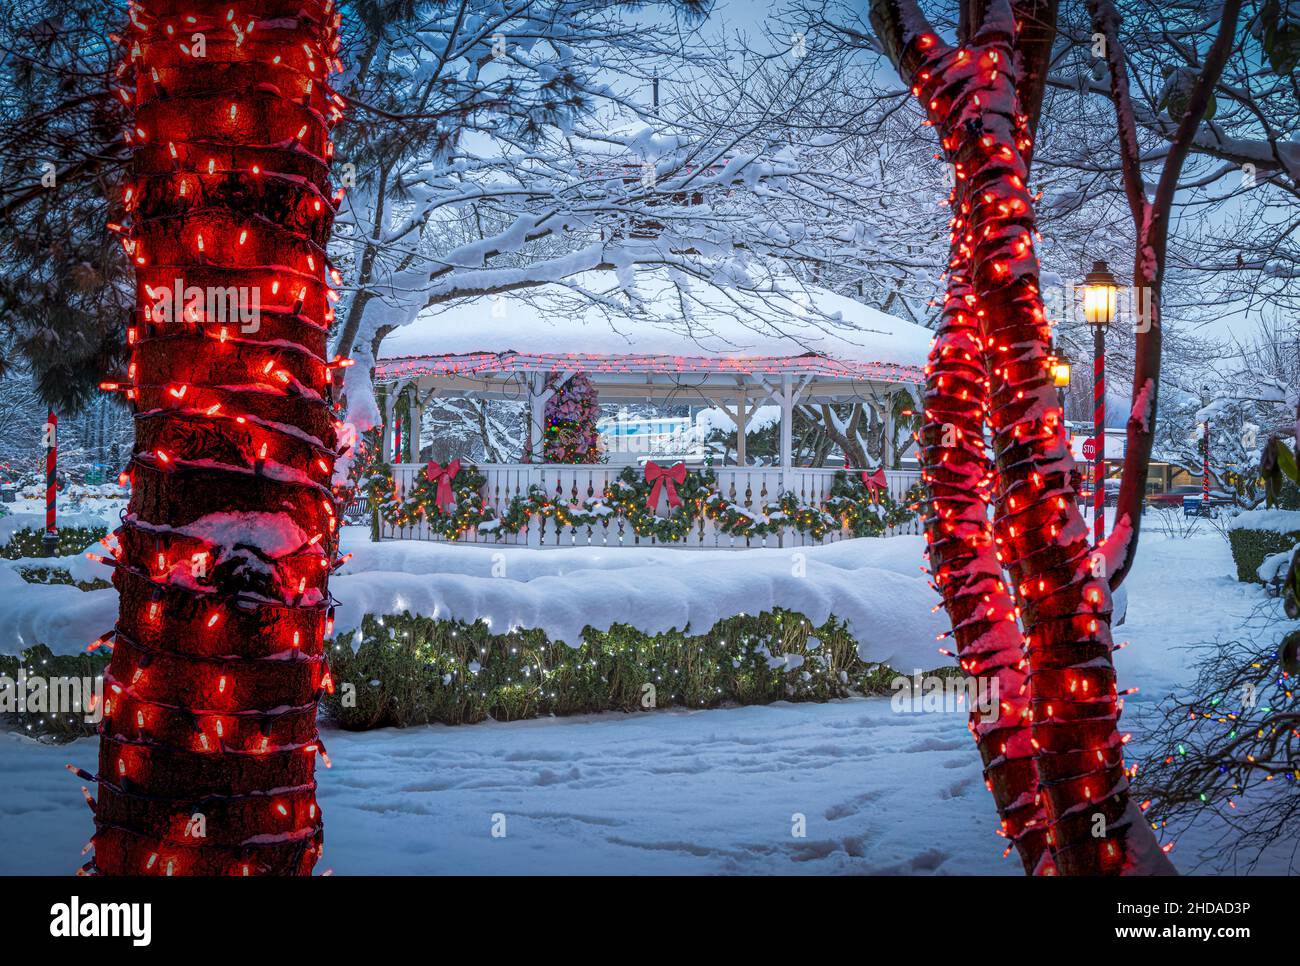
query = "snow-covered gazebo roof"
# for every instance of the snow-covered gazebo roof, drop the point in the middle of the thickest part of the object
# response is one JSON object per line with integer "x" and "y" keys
{"x": 663, "y": 344}
{"x": 663, "y": 340}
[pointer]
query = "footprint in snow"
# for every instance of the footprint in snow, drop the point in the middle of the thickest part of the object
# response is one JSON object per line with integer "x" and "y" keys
{"x": 851, "y": 807}
{"x": 956, "y": 790}
{"x": 548, "y": 777}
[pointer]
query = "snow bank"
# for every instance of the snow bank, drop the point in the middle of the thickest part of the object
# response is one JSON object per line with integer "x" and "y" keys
{"x": 60, "y": 616}
{"x": 106, "y": 513}
{"x": 874, "y": 584}
{"x": 1278, "y": 521}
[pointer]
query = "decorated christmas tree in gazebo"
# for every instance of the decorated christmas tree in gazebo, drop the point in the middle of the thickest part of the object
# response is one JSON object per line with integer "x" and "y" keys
{"x": 571, "y": 414}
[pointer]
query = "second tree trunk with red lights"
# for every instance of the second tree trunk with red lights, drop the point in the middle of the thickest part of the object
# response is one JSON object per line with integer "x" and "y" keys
{"x": 1058, "y": 595}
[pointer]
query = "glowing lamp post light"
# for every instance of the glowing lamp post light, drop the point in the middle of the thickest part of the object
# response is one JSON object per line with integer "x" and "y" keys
{"x": 1100, "y": 297}
{"x": 1061, "y": 371}
{"x": 1058, "y": 367}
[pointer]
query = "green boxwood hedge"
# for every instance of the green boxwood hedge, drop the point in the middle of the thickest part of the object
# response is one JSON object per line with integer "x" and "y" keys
{"x": 1250, "y": 547}
{"x": 414, "y": 670}
{"x": 40, "y": 661}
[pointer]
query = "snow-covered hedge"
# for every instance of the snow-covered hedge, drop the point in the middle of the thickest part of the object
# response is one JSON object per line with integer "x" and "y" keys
{"x": 456, "y": 633}
{"x": 1257, "y": 535}
{"x": 1275, "y": 520}
{"x": 30, "y": 514}
{"x": 438, "y": 632}
{"x": 77, "y": 491}
{"x": 30, "y": 542}
{"x": 875, "y": 585}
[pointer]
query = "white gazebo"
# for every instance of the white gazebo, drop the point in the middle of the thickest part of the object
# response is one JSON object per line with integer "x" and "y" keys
{"x": 672, "y": 345}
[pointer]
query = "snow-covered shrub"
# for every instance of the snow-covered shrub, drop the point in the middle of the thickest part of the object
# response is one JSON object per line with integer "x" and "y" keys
{"x": 30, "y": 542}
{"x": 415, "y": 670}
{"x": 1251, "y": 547}
{"x": 1257, "y": 534}
{"x": 40, "y": 661}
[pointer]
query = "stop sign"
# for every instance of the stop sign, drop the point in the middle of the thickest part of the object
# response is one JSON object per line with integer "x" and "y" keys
{"x": 1090, "y": 448}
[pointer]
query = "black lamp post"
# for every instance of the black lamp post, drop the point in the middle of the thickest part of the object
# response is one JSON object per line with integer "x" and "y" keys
{"x": 1100, "y": 296}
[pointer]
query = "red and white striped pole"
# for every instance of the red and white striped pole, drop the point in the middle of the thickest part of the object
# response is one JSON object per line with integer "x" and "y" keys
{"x": 1205, "y": 468}
{"x": 51, "y": 538}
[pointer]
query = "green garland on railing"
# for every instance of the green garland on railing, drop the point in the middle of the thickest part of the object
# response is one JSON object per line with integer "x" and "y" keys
{"x": 851, "y": 505}
{"x": 735, "y": 519}
{"x": 789, "y": 511}
{"x": 869, "y": 514}
{"x": 419, "y": 504}
{"x": 630, "y": 494}
{"x": 537, "y": 502}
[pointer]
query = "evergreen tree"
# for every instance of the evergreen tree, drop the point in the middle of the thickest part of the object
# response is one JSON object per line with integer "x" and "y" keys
{"x": 569, "y": 435}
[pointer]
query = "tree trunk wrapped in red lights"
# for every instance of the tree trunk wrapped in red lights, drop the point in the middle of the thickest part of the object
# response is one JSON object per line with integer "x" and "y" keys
{"x": 209, "y": 746}
{"x": 961, "y": 549}
{"x": 1061, "y": 594}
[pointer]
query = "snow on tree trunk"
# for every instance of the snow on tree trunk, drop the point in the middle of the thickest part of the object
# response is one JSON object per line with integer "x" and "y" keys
{"x": 209, "y": 743}
{"x": 1060, "y": 590}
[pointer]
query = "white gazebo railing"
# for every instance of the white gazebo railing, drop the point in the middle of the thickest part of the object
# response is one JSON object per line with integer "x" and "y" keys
{"x": 749, "y": 486}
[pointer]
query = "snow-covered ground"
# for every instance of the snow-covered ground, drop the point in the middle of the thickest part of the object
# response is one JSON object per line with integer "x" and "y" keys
{"x": 95, "y": 507}
{"x": 677, "y": 791}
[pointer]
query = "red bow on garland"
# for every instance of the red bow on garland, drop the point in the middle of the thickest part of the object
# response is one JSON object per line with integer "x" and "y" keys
{"x": 874, "y": 481}
{"x": 672, "y": 477}
{"x": 442, "y": 475}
